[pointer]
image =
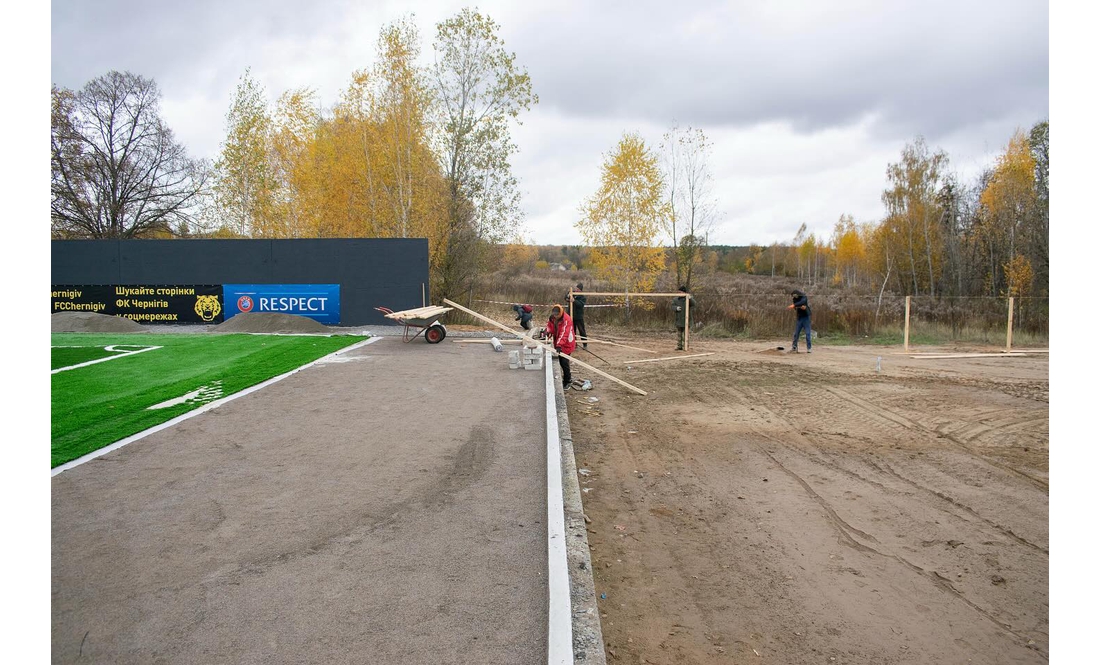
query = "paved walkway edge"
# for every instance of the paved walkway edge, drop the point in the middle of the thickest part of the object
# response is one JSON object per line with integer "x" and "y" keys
{"x": 587, "y": 634}
{"x": 560, "y": 628}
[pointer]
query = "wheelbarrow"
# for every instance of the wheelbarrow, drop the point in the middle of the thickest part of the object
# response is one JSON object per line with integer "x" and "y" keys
{"x": 424, "y": 320}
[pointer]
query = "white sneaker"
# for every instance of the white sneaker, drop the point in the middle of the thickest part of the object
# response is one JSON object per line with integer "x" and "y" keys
{"x": 809, "y": 351}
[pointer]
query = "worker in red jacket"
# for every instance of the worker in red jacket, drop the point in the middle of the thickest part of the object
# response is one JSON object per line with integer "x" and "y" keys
{"x": 559, "y": 329}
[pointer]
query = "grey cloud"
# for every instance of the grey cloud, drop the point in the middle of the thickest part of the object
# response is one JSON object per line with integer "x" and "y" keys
{"x": 195, "y": 44}
{"x": 928, "y": 67}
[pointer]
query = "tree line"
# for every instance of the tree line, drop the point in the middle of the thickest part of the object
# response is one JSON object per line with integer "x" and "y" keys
{"x": 408, "y": 150}
{"x": 940, "y": 236}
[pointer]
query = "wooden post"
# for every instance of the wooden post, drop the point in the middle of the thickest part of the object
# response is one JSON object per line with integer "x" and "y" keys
{"x": 1011, "y": 306}
{"x": 551, "y": 349}
{"x": 907, "y": 300}
{"x": 570, "y": 302}
{"x": 687, "y": 318}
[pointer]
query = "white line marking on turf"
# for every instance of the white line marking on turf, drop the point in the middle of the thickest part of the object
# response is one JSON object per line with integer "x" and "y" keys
{"x": 111, "y": 347}
{"x": 202, "y": 409}
{"x": 203, "y": 394}
{"x": 560, "y": 631}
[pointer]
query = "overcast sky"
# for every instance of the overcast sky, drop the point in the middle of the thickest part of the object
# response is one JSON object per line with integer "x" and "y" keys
{"x": 806, "y": 103}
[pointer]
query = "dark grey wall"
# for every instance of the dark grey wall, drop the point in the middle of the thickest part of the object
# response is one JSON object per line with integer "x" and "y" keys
{"x": 371, "y": 272}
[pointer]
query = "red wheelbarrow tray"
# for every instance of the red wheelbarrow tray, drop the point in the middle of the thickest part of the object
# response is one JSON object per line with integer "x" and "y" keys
{"x": 423, "y": 319}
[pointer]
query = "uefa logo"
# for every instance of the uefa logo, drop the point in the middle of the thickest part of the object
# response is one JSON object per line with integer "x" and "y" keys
{"x": 244, "y": 303}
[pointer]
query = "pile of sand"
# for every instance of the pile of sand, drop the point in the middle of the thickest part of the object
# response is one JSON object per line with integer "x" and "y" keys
{"x": 82, "y": 322}
{"x": 269, "y": 322}
{"x": 775, "y": 351}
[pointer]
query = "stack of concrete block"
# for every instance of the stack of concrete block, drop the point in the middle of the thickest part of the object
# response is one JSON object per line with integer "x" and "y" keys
{"x": 532, "y": 357}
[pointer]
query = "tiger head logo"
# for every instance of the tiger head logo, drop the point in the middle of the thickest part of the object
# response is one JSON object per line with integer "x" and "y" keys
{"x": 207, "y": 307}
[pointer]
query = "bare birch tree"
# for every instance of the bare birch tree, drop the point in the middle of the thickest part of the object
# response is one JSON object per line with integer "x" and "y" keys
{"x": 686, "y": 164}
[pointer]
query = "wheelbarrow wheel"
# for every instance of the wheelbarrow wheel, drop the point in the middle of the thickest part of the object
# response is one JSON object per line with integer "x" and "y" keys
{"x": 435, "y": 334}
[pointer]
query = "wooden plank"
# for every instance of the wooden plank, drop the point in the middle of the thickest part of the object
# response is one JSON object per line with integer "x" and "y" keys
{"x": 486, "y": 341}
{"x": 544, "y": 346}
{"x": 625, "y": 346}
{"x": 1016, "y": 351}
{"x": 1014, "y": 354}
{"x": 655, "y": 360}
{"x": 633, "y": 295}
{"x": 428, "y": 312}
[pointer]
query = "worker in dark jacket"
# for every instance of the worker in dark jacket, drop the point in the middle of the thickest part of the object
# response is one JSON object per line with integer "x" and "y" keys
{"x": 523, "y": 315}
{"x": 801, "y": 305}
{"x": 679, "y": 305}
{"x": 579, "y": 301}
{"x": 559, "y": 329}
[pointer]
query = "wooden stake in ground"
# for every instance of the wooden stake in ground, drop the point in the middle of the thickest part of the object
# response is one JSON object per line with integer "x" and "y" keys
{"x": 654, "y": 360}
{"x": 907, "y": 299}
{"x": 1011, "y": 306}
{"x": 551, "y": 349}
{"x": 687, "y": 318}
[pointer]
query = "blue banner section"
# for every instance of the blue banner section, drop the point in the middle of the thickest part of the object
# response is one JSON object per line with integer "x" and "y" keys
{"x": 320, "y": 302}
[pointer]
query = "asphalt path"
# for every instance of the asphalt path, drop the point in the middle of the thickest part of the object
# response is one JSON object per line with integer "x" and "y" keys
{"x": 385, "y": 507}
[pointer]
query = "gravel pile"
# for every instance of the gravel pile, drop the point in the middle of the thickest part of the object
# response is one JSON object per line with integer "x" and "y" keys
{"x": 269, "y": 322}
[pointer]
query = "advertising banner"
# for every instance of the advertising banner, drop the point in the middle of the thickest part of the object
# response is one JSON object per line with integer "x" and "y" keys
{"x": 320, "y": 302}
{"x": 144, "y": 303}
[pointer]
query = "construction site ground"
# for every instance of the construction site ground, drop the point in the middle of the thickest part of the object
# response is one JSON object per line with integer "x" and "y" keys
{"x": 384, "y": 505}
{"x": 828, "y": 508}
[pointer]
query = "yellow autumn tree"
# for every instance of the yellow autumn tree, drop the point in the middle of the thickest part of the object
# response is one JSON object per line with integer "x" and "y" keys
{"x": 622, "y": 220}
{"x": 1018, "y": 276}
{"x": 518, "y": 256}
{"x": 913, "y": 216}
{"x": 295, "y": 125}
{"x": 850, "y": 252}
{"x": 367, "y": 169}
{"x": 1006, "y": 203}
{"x": 244, "y": 184}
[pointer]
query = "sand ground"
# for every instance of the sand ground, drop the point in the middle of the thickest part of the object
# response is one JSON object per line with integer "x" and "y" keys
{"x": 763, "y": 507}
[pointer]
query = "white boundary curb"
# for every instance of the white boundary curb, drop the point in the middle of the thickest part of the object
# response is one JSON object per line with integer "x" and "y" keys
{"x": 203, "y": 409}
{"x": 560, "y": 633}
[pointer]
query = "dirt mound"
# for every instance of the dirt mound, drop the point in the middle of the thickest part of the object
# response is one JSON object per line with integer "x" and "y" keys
{"x": 269, "y": 322}
{"x": 775, "y": 351}
{"x": 80, "y": 322}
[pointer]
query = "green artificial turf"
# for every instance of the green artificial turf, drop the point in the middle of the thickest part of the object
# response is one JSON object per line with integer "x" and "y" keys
{"x": 94, "y": 406}
{"x": 67, "y": 356}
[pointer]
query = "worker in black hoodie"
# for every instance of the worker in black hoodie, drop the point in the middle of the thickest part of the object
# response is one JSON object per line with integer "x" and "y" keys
{"x": 523, "y": 315}
{"x": 801, "y": 305}
{"x": 579, "y": 301}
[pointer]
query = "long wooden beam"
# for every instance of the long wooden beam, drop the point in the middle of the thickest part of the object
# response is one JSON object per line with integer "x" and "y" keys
{"x": 655, "y": 360}
{"x": 625, "y": 346}
{"x": 1014, "y": 354}
{"x": 640, "y": 295}
{"x": 544, "y": 346}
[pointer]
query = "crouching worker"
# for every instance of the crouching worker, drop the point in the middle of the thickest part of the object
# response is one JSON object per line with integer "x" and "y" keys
{"x": 523, "y": 315}
{"x": 559, "y": 329}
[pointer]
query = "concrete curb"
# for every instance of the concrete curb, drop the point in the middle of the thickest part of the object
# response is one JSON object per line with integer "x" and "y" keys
{"x": 587, "y": 635}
